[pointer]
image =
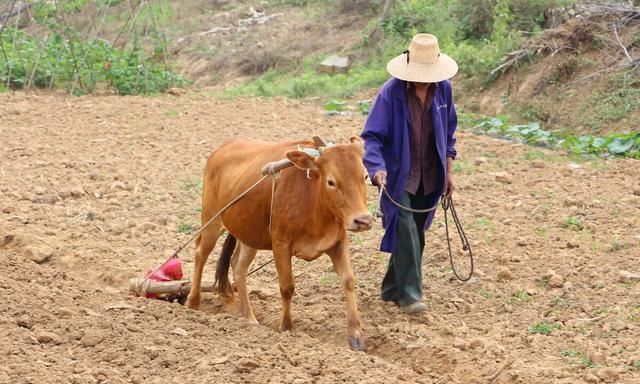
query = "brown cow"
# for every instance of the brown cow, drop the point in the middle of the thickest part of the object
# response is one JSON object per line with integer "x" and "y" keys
{"x": 314, "y": 205}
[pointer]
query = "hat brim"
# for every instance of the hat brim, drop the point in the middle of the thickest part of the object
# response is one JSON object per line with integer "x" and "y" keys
{"x": 445, "y": 68}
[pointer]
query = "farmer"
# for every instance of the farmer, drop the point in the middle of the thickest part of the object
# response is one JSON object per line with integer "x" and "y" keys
{"x": 409, "y": 150}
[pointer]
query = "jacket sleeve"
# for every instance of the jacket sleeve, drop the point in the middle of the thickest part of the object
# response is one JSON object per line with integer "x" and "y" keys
{"x": 375, "y": 133}
{"x": 452, "y": 125}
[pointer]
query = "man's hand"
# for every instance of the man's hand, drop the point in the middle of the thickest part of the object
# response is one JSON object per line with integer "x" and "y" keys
{"x": 450, "y": 187}
{"x": 380, "y": 178}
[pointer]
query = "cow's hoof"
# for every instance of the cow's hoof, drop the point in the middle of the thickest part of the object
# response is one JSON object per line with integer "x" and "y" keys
{"x": 356, "y": 343}
{"x": 286, "y": 325}
{"x": 193, "y": 303}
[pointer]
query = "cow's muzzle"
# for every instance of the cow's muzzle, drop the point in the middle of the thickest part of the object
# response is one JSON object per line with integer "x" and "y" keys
{"x": 361, "y": 222}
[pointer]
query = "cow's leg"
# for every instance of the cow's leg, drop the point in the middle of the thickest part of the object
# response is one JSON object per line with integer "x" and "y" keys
{"x": 287, "y": 286}
{"x": 240, "y": 264}
{"x": 342, "y": 265}
{"x": 204, "y": 245}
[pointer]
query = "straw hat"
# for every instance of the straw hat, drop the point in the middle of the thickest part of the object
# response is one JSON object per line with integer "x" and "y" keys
{"x": 422, "y": 62}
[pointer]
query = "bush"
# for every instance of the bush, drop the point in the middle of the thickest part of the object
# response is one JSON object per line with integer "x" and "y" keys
{"x": 79, "y": 66}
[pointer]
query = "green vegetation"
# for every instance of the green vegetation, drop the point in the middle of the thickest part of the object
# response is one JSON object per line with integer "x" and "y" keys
{"x": 484, "y": 223}
{"x": 61, "y": 56}
{"x": 618, "y": 144}
{"x": 309, "y": 83}
{"x": 521, "y": 296}
{"x": 544, "y": 328}
{"x": 463, "y": 167}
{"x": 355, "y": 239}
{"x": 620, "y": 100}
{"x": 186, "y": 228}
{"x": 573, "y": 222}
{"x": 542, "y": 231}
{"x": 585, "y": 361}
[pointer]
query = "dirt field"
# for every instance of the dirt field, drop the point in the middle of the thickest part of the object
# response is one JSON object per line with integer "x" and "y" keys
{"x": 96, "y": 190}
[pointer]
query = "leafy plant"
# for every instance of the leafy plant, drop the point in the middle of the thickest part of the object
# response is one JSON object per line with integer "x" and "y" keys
{"x": 543, "y": 328}
{"x": 335, "y": 106}
{"x": 573, "y": 222}
{"x": 64, "y": 60}
{"x": 617, "y": 144}
{"x": 364, "y": 106}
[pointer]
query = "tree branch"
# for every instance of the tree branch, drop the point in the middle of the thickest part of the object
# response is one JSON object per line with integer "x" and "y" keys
{"x": 615, "y": 30}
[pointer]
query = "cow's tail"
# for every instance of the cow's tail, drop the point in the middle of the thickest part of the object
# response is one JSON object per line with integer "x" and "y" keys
{"x": 224, "y": 262}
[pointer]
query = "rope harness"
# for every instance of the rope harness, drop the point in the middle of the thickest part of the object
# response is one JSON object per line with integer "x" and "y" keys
{"x": 447, "y": 204}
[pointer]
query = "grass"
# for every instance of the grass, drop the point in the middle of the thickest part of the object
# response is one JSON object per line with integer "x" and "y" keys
{"x": 573, "y": 222}
{"x": 355, "y": 239}
{"x": 585, "y": 361}
{"x": 521, "y": 296}
{"x": 618, "y": 100}
{"x": 329, "y": 279}
{"x": 484, "y": 223}
{"x": 543, "y": 328}
{"x": 308, "y": 82}
{"x": 535, "y": 155}
{"x": 532, "y": 112}
{"x": 463, "y": 167}
{"x": 185, "y": 228}
{"x": 618, "y": 245}
{"x": 542, "y": 231}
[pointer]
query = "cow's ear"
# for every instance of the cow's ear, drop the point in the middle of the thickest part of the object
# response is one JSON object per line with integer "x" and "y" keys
{"x": 301, "y": 160}
{"x": 358, "y": 141}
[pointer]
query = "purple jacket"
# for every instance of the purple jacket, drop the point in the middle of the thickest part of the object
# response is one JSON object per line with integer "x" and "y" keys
{"x": 386, "y": 138}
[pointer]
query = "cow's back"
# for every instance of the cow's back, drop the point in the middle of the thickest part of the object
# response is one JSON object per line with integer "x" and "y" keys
{"x": 233, "y": 168}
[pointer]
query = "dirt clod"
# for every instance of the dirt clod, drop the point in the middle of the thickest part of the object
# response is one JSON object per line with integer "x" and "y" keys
{"x": 608, "y": 375}
{"x": 45, "y": 337}
{"x": 505, "y": 274}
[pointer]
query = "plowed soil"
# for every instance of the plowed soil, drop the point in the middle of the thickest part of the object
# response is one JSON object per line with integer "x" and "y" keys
{"x": 97, "y": 190}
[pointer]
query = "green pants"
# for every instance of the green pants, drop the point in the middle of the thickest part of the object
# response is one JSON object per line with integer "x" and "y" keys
{"x": 403, "y": 281}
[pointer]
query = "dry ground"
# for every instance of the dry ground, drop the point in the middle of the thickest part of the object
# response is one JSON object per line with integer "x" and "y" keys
{"x": 96, "y": 190}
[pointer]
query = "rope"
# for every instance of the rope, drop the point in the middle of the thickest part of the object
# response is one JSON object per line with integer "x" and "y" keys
{"x": 273, "y": 194}
{"x": 260, "y": 267}
{"x": 407, "y": 208}
{"x": 447, "y": 204}
{"x": 181, "y": 247}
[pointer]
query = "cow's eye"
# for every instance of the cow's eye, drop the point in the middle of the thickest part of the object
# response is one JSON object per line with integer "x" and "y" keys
{"x": 331, "y": 183}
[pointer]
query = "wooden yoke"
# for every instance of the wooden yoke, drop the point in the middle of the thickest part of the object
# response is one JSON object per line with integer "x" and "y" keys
{"x": 274, "y": 167}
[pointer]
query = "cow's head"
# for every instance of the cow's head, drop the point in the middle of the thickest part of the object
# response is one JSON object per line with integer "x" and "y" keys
{"x": 341, "y": 177}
